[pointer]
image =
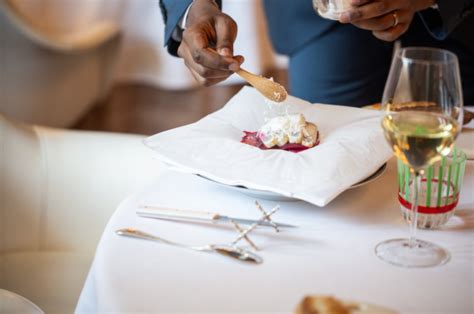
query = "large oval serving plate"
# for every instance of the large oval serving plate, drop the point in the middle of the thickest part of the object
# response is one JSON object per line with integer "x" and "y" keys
{"x": 272, "y": 196}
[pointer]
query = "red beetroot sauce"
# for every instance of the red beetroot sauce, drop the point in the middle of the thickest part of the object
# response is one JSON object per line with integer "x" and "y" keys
{"x": 251, "y": 138}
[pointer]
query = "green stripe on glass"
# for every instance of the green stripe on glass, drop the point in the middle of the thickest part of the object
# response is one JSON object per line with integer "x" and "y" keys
{"x": 448, "y": 180}
{"x": 456, "y": 177}
{"x": 440, "y": 181}
{"x": 406, "y": 171}
{"x": 399, "y": 174}
{"x": 463, "y": 166}
{"x": 429, "y": 179}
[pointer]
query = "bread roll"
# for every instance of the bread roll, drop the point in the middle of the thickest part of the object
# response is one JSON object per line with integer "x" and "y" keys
{"x": 321, "y": 305}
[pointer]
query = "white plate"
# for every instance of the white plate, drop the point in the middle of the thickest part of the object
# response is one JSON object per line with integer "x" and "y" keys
{"x": 352, "y": 147}
{"x": 271, "y": 196}
{"x": 13, "y": 303}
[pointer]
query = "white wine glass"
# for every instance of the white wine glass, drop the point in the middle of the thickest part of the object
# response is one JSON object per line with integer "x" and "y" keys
{"x": 422, "y": 116}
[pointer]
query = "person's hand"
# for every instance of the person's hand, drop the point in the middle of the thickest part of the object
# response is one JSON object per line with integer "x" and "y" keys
{"x": 207, "y": 45}
{"x": 387, "y": 19}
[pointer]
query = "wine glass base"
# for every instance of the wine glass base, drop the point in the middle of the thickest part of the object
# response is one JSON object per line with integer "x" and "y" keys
{"x": 404, "y": 253}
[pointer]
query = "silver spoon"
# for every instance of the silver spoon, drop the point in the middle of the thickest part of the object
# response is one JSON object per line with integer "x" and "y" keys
{"x": 223, "y": 249}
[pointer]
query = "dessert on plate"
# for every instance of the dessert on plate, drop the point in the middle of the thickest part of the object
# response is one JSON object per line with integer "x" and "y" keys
{"x": 288, "y": 132}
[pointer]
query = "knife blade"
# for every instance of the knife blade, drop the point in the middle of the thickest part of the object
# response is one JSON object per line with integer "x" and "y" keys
{"x": 158, "y": 212}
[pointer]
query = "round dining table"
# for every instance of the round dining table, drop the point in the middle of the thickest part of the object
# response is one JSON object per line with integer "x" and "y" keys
{"x": 330, "y": 252}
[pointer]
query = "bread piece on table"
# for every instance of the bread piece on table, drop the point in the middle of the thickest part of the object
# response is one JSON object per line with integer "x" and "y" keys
{"x": 321, "y": 305}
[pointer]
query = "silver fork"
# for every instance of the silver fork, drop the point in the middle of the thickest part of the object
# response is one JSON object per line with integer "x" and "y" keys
{"x": 224, "y": 249}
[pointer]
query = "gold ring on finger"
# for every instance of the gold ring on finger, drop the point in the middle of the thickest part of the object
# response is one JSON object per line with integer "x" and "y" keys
{"x": 395, "y": 19}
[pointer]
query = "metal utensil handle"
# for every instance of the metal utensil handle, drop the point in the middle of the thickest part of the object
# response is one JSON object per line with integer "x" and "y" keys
{"x": 133, "y": 233}
{"x": 226, "y": 250}
{"x": 176, "y": 213}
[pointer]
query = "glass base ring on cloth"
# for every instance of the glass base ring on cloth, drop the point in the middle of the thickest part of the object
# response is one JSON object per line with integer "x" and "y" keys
{"x": 412, "y": 253}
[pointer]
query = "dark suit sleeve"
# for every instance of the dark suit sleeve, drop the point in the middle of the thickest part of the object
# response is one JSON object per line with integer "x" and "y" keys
{"x": 450, "y": 14}
{"x": 172, "y": 11}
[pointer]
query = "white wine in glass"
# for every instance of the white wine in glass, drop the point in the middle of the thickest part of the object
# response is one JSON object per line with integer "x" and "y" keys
{"x": 422, "y": 116}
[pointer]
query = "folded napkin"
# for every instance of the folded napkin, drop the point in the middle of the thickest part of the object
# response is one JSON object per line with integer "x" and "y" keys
{"x": 352, "y": 148}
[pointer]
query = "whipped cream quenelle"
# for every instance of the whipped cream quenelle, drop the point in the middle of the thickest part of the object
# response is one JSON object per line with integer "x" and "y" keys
{"x": 289, "y": 129}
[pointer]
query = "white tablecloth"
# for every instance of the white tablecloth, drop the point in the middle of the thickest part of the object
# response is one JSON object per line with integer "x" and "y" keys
{"x": 332, "y": 252}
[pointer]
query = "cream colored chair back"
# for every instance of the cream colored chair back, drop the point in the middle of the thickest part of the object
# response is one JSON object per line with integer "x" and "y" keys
{"x": 22, "y": 193}
{"x": 58, "y": 189}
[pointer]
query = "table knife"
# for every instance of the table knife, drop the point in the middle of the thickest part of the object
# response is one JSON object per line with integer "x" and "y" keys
{"x": 199, "y": 216}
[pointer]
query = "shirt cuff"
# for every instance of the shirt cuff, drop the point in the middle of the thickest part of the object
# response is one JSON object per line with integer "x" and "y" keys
{"x": 433, "y": 21}
{"x": 177, "y": 33}
{"x": 450, "y": 14}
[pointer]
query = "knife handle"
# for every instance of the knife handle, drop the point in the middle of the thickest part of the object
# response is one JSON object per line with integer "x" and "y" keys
{"x": 163, "y": 212}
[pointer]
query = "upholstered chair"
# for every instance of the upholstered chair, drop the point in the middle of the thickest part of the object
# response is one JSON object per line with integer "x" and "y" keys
{"x": 58, "y": 189}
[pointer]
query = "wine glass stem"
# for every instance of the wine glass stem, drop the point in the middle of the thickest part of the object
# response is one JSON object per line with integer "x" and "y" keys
{"x": 414, "y": 208}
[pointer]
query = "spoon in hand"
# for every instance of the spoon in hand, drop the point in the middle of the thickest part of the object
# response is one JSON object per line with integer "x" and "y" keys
{"x": 226, "y": 250}
{"x": 270, "y": 89}
{"x": 267, "y": 87}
